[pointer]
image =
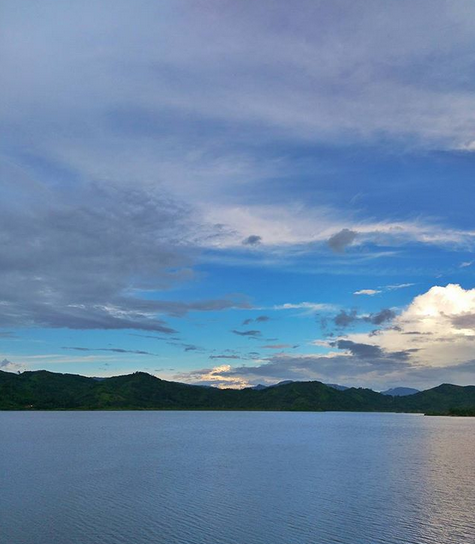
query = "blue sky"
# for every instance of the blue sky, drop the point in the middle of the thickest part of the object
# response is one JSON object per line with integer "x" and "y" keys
{"x": 234, "y": 193}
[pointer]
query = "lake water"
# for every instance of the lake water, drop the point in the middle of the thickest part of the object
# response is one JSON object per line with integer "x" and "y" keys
{"x": 235, "y": 478}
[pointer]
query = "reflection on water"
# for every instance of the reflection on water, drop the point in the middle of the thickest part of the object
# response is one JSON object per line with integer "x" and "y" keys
{"x": 236, "y": 477}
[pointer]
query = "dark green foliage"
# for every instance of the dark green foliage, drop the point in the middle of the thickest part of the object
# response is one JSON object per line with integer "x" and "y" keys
{"x": 43, "y": 390}
{"x": 441, "y": 399}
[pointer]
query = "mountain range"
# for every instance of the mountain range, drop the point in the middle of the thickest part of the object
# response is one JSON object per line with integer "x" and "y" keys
{"x": 43, "y": 390}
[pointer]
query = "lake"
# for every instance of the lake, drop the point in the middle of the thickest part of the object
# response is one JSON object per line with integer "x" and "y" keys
{"x": 236, "y": 478}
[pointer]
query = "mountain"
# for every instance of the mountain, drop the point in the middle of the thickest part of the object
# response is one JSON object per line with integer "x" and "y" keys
{"x": 442, "y": 399}
{"x": 260, "y": 386}
{"x": 400, "y": 391}
{"x": 336, "y": 386}
{"x": 43, "y": 390}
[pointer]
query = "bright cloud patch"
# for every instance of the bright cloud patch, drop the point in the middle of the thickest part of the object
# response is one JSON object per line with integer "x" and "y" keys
{"x": 431, "y": 341}
{"x": 439, "y": 324}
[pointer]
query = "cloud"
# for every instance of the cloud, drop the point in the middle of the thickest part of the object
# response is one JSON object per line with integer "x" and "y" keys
{"x": 81, "y": 256}
{"x": 297, "y": 229}
{"x": 398, "y": 286}
{"x": 224, "y": 357}
{"x": 8, "y": 366}
{"x": 465, "y": 264}
{"x": 360, "y": 350}
{"x": 113, "y": 350}
{"x": 429, "y": 342}
{"x": 250, "y": 334}
{"x": 345, "y": 318}
{"x": 341, "y": 240}
{"x": 218, "y": 376}
{"x": 439, "y": 325}
{"x": 258, "y": 319}
{"x": 359, "y": 365}
{"x": 372, "y": 292}
{"x": 384, "y": 315}
{"x": 252, "y": 240}
{"x": 422, "y": 98}
{"x": 308, "y": 307}
{"x": 186, "y": 347}
{"x": 162, "y": 338}
{"x": 279, "y": 346}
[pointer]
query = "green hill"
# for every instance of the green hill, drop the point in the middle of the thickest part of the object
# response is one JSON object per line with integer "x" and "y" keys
{"x": 42, "y": 390}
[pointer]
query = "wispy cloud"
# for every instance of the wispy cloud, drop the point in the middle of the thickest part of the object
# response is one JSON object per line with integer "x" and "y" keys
{"x": 379, "y": 290}
{"x": 113, "y": 350}
{"x": 307, "y": 307}
{"x": 368, "y": 292}
{"x": 249, "y": 334}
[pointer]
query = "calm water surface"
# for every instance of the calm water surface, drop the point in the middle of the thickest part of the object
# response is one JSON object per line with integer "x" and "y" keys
{"x": 235, "y": 478}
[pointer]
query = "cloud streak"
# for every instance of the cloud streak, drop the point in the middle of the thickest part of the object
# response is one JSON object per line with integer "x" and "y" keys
{"x": 113, "y": 350}
{"x": 79, "y": 258}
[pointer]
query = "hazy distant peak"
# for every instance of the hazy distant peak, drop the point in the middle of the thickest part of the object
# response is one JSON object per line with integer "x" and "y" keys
{"x": 400, "y": 391}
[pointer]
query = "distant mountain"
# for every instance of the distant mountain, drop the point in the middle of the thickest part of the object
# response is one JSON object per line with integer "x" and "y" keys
{"x": 260, "y": 386}
{"x": 285, "y": 382}
{"x": 42, "y": 390}
{"x": 400, "y": 391}
{"x": 336, "y": 386}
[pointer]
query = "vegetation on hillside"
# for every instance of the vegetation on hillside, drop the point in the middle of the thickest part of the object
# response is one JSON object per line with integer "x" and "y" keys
{"x": 42, "y": 390}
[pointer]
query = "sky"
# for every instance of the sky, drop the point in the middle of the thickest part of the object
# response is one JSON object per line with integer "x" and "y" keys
{"x": 231, "y": 193}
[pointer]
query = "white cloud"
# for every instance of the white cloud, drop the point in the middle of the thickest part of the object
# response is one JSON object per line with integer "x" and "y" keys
{"x": 299, "y": 225}
{"x": 307, "y": 307}
{"x": 369, "y": 292}
{"x": 398, "y": 286}
{"x": 430, "y": 342}
{"x": 217, "y": 376}
{"x": 436, "y": 325}
{"x": 372, "y": 292}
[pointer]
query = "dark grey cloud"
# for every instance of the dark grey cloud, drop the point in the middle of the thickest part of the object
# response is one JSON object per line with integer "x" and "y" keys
{"x": 359, "y": 350}
{"x": 370, "y": 351}
{"x": 252, "y": 240}
{"x": 186, "y": 347}
{"x": 79, "y": 257}
{"x": 113, "y": 350}
{"x": 346, "y": 318}
{"x": 464, "y": 321}
{"x": 251, "y": 334}
{"x": 362, "y": 365}
{"x": 258, "y": 319}
{"x": 382, "y": 316}
{"x": 341, "y": 240}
